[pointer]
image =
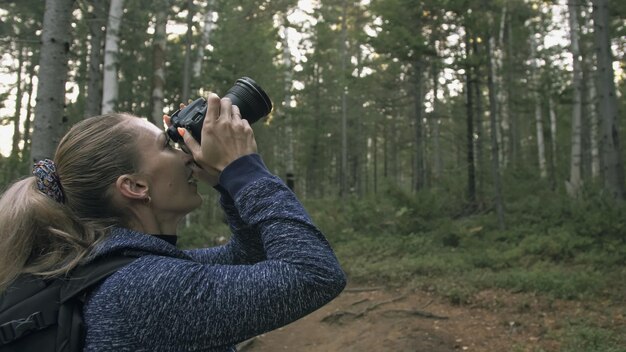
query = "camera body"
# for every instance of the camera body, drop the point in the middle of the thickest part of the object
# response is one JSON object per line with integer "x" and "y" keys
{"x": 252, "y": 101}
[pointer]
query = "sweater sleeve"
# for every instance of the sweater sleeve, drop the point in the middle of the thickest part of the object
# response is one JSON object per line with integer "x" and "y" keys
{"x": 169, "y": 304}
{"x": 244, "y": 246}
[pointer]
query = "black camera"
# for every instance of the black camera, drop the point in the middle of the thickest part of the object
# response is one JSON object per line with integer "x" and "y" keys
{"x": 252, "y": 101}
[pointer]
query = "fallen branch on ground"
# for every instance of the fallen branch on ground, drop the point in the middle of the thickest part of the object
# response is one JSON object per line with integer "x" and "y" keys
{"x": 337, "y": 316}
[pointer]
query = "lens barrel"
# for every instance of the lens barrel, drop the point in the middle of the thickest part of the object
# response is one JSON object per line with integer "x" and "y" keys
{"x": 251, "y": 99}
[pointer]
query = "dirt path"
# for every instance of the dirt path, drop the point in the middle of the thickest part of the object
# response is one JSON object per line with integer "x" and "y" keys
{"x": 376, "y": 319}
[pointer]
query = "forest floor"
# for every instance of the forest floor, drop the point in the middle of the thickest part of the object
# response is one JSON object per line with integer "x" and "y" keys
{"x": 392, "y": 319}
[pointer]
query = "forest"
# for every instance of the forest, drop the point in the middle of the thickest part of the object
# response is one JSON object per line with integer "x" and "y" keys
{"x": 467, "y": 150}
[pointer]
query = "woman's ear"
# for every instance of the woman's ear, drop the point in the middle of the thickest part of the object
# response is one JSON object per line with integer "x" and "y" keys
{"x": 132, "y": 187}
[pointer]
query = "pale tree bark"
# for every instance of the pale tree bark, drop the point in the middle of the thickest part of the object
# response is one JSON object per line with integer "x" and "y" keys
{"x": 574, "y": 184}
{"x": 28, "y": 119}
{"x": 111, "y": 59}
{"x": 541, "y": 146}
{"x": 502, "y": 97}
{"x": 493, "y": 118}
{"x": 437, "y": 122}
{"x": 96, "y": 32}
{"x": 612, "y": 164}
{"x": 159, "y": 42}
{"x": 15, "y": 148}
{"x": 471, "y": 171}
{"x": 594, "y": 124}
{"x": 206, "y": 38}
{"x": 187, "y": 63}
{"x": 553, "y": 129}
{"x": 50, "y": 116}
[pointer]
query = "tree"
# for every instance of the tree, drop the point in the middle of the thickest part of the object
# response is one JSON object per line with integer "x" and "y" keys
{"x": 96, "y": 32}
{"x": 575, "y": 180}
{"x": 158, "y": 62}
{"x": 50, "y": 118}
{"x": 613, "y": 167}
{"x": 111, "y": 59}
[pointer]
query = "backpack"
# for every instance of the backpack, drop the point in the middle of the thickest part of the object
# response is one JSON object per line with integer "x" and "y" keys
{"x": 41, "y": 315}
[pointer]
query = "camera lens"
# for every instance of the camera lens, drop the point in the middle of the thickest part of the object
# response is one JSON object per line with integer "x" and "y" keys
{"x": 252, "y": 101}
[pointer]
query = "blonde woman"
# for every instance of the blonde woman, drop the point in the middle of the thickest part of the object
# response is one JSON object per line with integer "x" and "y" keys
{"x": 118, "y": 186}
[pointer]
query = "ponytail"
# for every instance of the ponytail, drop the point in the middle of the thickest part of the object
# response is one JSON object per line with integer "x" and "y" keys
{"x": 49, "y": 222}
{"x": 38, "y": 235}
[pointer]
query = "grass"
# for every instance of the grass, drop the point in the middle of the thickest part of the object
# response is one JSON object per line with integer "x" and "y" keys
{"x": 552, "y": 246}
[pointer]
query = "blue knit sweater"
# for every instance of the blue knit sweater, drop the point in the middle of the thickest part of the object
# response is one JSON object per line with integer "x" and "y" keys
{"x": 276, "y": 268}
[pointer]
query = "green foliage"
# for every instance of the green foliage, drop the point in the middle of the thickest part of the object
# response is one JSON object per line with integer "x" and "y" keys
{"x": 553, "y": 245}
{"x": 581, "y": 337}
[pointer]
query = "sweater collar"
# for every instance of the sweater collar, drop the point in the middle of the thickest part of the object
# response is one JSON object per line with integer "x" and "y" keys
{"x": 123, "y": 241}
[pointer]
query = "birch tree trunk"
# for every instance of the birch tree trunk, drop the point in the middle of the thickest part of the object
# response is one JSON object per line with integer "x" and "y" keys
{"x": 471, "y": 171}
{"x": 437, "y": 122}
{"x": 28, "y": 119}
{"x": 111, "y": 52}
{"x": 574, "y": 184}
{"x": 50, "y": 116}
{"x": 206, "y": 39}
{"x": 502, "y": 97}
{"x": 187, "y": 63}
{"x": 493, "y": 118}
{"x": 612, "y": 164}
{"x": 553, "y": 127}
{"x": 594, "y": 124}
{"x": 541, "y": 145}
{"x": 94, "y": 86}
{"x": 158, "y": 64}
{"x": 15, "y": 148}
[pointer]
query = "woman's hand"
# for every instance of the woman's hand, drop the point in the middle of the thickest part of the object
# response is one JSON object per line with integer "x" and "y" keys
{"x": 225, "y": 136}
{"x": 198, "y": 173}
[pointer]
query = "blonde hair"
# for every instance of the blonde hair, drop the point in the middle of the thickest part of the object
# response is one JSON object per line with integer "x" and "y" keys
{"x": 42, "y": 237}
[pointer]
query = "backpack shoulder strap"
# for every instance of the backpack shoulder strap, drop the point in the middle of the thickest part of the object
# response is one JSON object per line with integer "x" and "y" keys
{"x": 85, "y": 276}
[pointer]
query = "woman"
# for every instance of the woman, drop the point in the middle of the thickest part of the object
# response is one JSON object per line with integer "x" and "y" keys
{"x": 121, "y": 188}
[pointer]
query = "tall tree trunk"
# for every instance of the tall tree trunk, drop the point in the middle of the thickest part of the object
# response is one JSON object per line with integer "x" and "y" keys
{"x": 158, "y": 64}
{"x": 290, "y": 175}
{"x": 111, "y": 60}
{"x": 502, "y": 97}
{"x": 15, "y": 148}
{"x": 516, "y": 148}
{"x": 187, "y": 64}
{"x": 612, "y": 164}
{"x": 50, "y": 116}
{"x": 27, "y": 121}
{"x": 541, "y": 145}
{"x": 471, "y": 172}
{"x": 206, "y": 37}
{"x": 493, "y": 110}
{"x": 593, "y": 122}
{"x": 478, "y": 126}
{"x": 418, "y": 101}
{"x": 437, "y": 121}
{"x": 94, "y": 86}
{"x": 575, "y": 180}
{"x": 313, "y": 181}
{"x": 553, "y": 127}
{"x": 343, "y": 175}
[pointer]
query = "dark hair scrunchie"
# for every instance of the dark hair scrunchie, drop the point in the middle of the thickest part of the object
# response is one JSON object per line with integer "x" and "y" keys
{"x": 48, "y": 181}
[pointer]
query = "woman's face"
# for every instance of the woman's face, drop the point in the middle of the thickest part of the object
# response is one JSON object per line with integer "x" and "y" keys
{"x": 167, "y": 171}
